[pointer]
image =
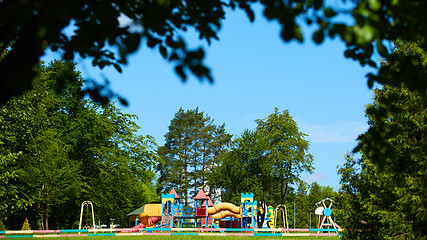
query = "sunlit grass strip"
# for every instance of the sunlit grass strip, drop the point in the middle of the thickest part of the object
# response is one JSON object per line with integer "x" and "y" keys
{"x": 296, "y": 234}
{"x": 184, "y": 234}
{"x": 184, "y": 229}
{"x": 47, "y": 236}
{"x": 212, "y": 229}
{"x": 158, "y": 233}
{"x": 240, "y": 234}
{"x": 101, "y": 234}
{"x": 74, "y": 235}
{"x": 158, "y": 229}
{"x": 323, "y": 234}
{"x": 46, "y": 231}
{"x": 130, "y": 234}
{"x": 239, "y": 229}
{"x": 296, "y": 230}
{"x": 267, "y": 234}
{"x": 74, "y": 231}
{"x": 268, "y": 230}
{"x": 106, "y": 230}
{"x": 19, "y": 236}
{"x": 170, "y": 231}
{"x": 213, "y": 234}
{"x": 323, "y": 230}
{"x": 18, "y": 232}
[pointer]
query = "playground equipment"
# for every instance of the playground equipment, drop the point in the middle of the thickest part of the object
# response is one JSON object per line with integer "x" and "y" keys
{"x": 205, "y": 214}
{"x": 171, "y": 207}
{"x": 270, "y": 217}
{"x": 86, "y": 203}
{"x": 151, "y": 214}
{"x": 248, "y": 208}
{"x": 281, "y": 209}
{"x": 200, "y": 210}
{"x": 224, "y": 215}
{"x": 223, "y": 210}
{"x": 324, "y": 214}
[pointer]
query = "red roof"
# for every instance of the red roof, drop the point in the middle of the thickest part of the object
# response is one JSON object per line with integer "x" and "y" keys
{"x": 210, "y": 203}
{"x": 174, "y": 193}
{"x": 201, "y": 196}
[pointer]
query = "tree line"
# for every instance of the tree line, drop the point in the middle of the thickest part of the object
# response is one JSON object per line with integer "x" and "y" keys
{"x": 58, "y": 149}
{"x": 384, "y": 190}
{"x": 265, "y": 161}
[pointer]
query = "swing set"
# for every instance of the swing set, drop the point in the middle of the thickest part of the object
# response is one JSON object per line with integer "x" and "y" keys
{"x": 86, "y": 203}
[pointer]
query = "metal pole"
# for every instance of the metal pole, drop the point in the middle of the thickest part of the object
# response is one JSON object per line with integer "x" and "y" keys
{"x": 310, "y": 224}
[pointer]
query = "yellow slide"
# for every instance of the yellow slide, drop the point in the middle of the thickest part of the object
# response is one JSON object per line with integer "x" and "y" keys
{"x": 222, "y": 210}
{"x": 152, "y": 213}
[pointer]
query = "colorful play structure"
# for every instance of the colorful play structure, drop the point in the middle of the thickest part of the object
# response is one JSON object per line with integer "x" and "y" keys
{"x": 171, "y": 217}
{"x": 324, "y": 212}
{"x": 205, "y": 214}
{"x": 172, "y": 214}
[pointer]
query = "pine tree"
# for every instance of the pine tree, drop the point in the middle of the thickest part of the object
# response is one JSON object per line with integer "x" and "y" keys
{"x": 193, "y": 144}
{"x": 26, "y": 225}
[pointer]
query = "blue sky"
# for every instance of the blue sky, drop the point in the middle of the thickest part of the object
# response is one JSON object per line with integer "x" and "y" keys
{"x": 254, "y": 71}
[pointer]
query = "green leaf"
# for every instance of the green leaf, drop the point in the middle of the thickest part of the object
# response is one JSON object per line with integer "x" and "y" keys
{"x": 364, "y": 34}
{"x": 163, "y": 52}
{"x": 375, "y": 4}
{"x": 329, "y": 12}
{"x": 370, "y": 82}
{"x": 318, "y": 4}
{"x": 318, "y": 36}
{"x": 152, "y": 42}
{"x": 349, "y": 53}
{"x": 123, "y": 101}
{"x": 381, "y": 49}
{"x": 132, "y": 42}
{"x": 372, "y": 64}
{"x": 180, "y": 71}
{"x": 117, "y": 67}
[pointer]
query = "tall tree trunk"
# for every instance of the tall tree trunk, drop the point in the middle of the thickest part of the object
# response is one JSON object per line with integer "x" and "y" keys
{"x": 203, "y": 165}
{"x": 283, "y": 192}
{"x": 40, "y": 220}
{"x": 186, "y": 177}
{"x": 182, "y": 178}
{"x": 47, "y": 217}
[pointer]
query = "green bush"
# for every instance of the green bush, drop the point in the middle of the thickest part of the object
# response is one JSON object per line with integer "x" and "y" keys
{"x": 2, "y": 226}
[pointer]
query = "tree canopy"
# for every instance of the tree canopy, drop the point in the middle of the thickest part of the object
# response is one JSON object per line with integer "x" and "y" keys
{"x": 108, "y": 31}
{"x": 57, "y": 150}
{"x": 265, "y": 161}
{"x": 192, "y": 150}
{"x": 385, "y": 191}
